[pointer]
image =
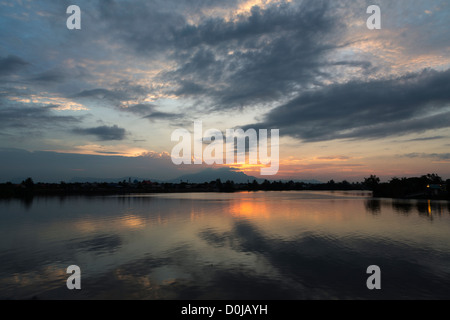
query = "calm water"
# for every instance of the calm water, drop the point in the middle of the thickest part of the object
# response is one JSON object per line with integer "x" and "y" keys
{"x": 275, "y": 245}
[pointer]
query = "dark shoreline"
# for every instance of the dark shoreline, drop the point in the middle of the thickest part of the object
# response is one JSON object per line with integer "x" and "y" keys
{"x": 22, "y": 191}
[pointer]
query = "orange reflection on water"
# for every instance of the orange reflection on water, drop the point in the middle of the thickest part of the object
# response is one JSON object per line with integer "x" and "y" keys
{"x": 85, "y": 226}
{"x": 133, "y": 222}
{"x": 249, "y": 209}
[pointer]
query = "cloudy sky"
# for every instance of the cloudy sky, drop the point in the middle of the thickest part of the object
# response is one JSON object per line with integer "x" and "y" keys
{"x": 103, "y": 101}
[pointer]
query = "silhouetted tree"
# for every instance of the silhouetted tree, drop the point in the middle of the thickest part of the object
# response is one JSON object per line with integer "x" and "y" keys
{"x": 229, "y": 186}
{"x": 433, "y": 178}
{"x": 372, "y": 182}
{"x": 28, "y": 183}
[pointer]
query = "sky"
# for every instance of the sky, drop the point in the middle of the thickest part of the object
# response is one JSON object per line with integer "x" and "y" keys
{"x": 104, "y": 100}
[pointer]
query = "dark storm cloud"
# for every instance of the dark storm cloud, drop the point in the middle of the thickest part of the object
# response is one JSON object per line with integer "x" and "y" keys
{"x": 103, "y": 133}
{"x": 152, "y": 26}
{"x": 413, "y": 103}
{"x": 256, "y": 59}
{"x": 11, "y": 64}
{"x": 190, "y": 88}
{"x": 307, "y": 17}
{"x": 146, "y": 25}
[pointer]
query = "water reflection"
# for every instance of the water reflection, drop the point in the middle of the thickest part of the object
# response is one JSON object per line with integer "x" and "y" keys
{"x": 424, "y": 208}
{"x": 373, "y": 206}
{"x": 402, "y": 207}
{"x": 264, "y": 245}
{"x": 99, "y": 244}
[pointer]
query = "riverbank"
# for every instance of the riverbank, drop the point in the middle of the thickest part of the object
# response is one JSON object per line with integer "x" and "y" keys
{"x": 403, "y": 190}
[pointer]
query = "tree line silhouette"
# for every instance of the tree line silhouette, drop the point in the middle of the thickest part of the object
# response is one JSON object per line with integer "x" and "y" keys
{"x": 429, "y": 186}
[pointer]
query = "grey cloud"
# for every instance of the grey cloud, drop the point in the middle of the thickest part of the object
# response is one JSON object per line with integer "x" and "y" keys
{"x": 427, "y": 138}
{"x": 60, "y": 74}
{"x": 11, "y": 64}
{"x": 257, "y": 59}
{"x": 190, "y": 88}
{"x": 362, "y": 64}
{"x": 437, "y": 156}
{"x": 366, "y": 67}
{"x": 150, "y": 112}
{"x": 157, "y": 115}
{"x": 106, "y": 97}
{"x": 254, "y": 59}
{"x": 25, "y": 117}
{"x": 151, "y": 26}
{"x": 103, "y": 133}
{"x": 401, "y": 127}
{"x": 50, "y": 76}
{"x": 261, "y": 58}
{"x": 413, "y": 103}
{"x": 128, "y": 92}
{"x": 116, "y": 97}
{"x": 100, "y": 94}
{"x": 146, "y": 25}
{"x": 139, "y": 109}
{"x": 444, "y": 156}
{"x": 308, "y": 17}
